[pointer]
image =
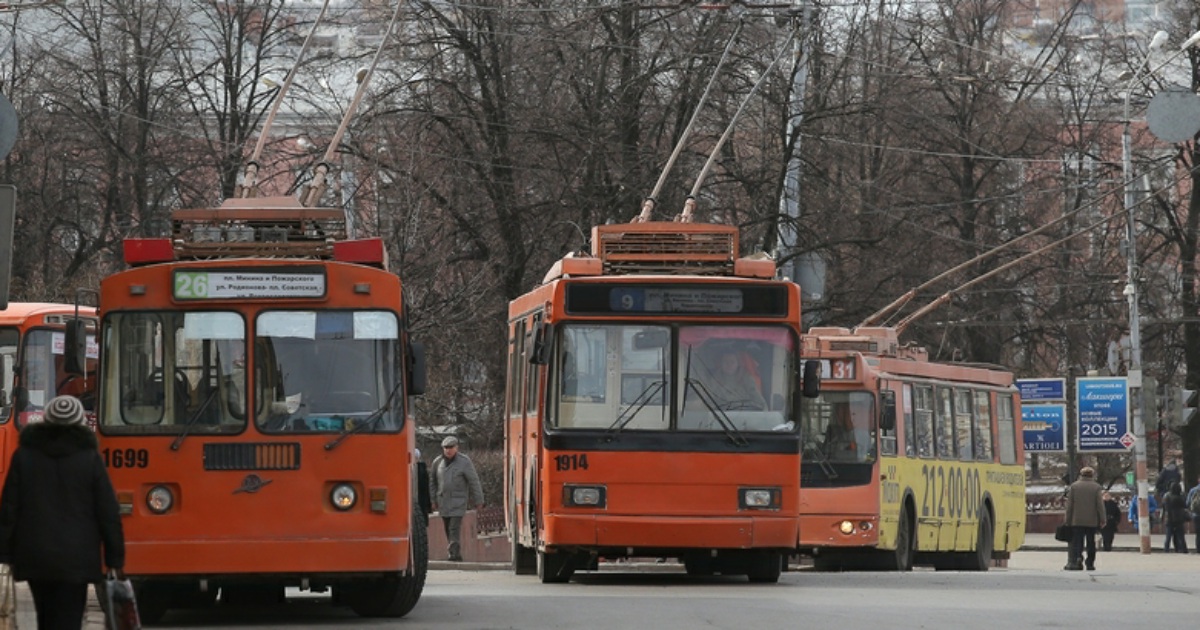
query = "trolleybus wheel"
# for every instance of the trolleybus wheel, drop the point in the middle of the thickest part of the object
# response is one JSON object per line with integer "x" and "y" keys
{"x": 828, "y": 560}
{"x": 764, "y": 567}
{"x": 902, "y": 557}
{"x": 699, "y": 563}
{"x": 153, "y": 601}
{"x": 395, "y": 596}
{"x": 981, "y": 558}
{"x": 554, "y": 567}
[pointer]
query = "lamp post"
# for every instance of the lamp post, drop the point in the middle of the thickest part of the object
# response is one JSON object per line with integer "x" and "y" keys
{"x": 1131, "y": 293}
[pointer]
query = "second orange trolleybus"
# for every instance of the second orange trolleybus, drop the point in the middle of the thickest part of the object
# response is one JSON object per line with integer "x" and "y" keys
{"x": 653, "y": 407}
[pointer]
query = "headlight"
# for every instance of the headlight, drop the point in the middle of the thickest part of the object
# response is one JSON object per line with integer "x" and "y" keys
{"x": 846, "y": 527}
{"x": 584, "y": 496}
{"x": 159, "y": 499}
{"x": 759, "y": 498}
{"x": 343, "y": 496}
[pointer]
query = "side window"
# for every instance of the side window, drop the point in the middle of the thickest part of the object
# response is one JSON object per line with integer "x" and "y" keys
{"x": 1007, "y": 431}
{"x": 887, "y": 438}
{"x": 910, "y": 437}
{"x": 983, "y": 426}
{"x": 945, "y": 423}
{"x": 923, "y": 404}
{"x": 964, "y": 409}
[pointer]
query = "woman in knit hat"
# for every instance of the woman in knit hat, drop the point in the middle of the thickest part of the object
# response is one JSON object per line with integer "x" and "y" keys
{"x": 57, "y": 512}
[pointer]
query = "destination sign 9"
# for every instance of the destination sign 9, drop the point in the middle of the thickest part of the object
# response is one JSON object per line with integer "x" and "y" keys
{"x": 225, "y": 285}
{"x": 665, "y": 298}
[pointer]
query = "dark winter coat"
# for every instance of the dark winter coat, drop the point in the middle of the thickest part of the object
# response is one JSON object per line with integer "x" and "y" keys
{"x": 1085, "y": 504}
{"x": 1112, "y": 515}
{"x": 1175, "y": 511}
{"x": 58, "y": 509}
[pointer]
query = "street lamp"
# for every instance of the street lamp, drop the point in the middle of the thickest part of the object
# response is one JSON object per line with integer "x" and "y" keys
{"x": 1131, "y": 293}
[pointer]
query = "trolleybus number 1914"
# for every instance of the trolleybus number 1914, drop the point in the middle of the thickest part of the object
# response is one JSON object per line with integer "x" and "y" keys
{"x": 571, "y": 461}
{"x": 950, "y": 492}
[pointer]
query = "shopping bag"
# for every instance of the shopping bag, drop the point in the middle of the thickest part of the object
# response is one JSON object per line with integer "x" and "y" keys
{"x": 8, "y": 599}
{"x": 1062, "y": 533}
{"x": 121, "y": 612}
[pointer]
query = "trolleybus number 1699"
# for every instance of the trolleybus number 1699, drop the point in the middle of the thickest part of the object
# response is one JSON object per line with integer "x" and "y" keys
{"x": 571, "y": 461}
{"x": 126, "y": 457}
{"x": 950, "y": 492}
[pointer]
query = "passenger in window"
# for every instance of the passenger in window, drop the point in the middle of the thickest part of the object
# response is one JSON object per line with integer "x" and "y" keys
{"x": 730, "y": 383}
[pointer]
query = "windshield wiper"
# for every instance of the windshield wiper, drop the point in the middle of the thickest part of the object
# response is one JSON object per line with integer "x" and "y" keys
{"x": 369, "y": 421}
{"x": 631, "y": 410}
{"x": 715, "y": 410}
{"x": 183, "y": 433}
{"x": 822, "y": 459}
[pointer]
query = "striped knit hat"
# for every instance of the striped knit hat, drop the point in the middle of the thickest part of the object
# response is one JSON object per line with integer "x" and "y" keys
{"x": 64, "y": 410}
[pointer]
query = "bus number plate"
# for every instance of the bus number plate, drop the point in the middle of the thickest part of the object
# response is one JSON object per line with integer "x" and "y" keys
{"x": 126, "y": 457}
{"x": 571, "y": 461}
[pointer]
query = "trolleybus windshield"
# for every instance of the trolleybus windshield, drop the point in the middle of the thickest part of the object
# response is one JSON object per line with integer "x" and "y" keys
{"x": 327, "y": 371}
{"x": 43, "y": 373}
{"x": 658, "y": 377}
{"x": 167, "y": 372}
{"x": 837, "y": 427}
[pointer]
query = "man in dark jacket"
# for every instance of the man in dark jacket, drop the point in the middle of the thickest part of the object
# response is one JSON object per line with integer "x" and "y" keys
{"x": 57, "y": 511}
{"x": 1085, "y": 515}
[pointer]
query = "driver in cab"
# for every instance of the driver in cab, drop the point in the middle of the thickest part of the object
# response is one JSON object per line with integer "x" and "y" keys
{"x": 730, "y": 384}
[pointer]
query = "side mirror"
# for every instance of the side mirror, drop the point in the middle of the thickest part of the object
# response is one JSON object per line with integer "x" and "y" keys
{"x": 812, "y": 378}
{"x": 417, "y": 370}
{"x": 75, "y": 347}
{"x": 887, "y": 410}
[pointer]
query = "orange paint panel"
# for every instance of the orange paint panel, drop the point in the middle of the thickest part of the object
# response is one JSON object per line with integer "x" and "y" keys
{"x": 223, "y": 556}
{"x": 681, "y": 533}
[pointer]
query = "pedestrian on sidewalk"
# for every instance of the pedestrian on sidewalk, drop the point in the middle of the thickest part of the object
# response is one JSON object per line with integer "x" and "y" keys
{"x": 58, "y": 513}
{"x": 1168, "y": 475}
{"x": 1175, "y": 518}
{"x": 1085, "y": 515}
{"x": 1112, "y": 518}
{"x": 455, "y": 488}
{"x": 1152, "y": 508}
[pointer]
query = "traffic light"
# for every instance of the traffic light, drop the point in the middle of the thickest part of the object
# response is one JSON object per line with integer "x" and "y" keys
{"x": 1188, "y": 399}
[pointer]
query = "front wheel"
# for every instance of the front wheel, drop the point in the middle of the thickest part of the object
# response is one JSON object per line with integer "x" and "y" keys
{"x": 395, "y": 596}
{"x": 764, "y": 567}
{"x": 554, "y": 567}
{"x": 981, "y": 558}
{"x": 902, "y": 557}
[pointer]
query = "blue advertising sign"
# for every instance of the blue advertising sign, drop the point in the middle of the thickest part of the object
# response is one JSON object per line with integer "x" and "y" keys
{"x": 1102, "y": 404}
{"x": 1045, "y": 428}
{"x": 1042, "y": 389}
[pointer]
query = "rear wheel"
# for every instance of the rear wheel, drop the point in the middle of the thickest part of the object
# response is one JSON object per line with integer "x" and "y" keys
{"x": 981, "y": 558}
{"x": 828, "y": 560}
{"x": 395, "y": 596}
{"x": 554, "y": 567}
{"x": 699, "y": 563}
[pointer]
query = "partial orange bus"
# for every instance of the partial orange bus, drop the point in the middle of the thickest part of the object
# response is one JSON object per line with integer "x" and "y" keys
{"x": 619, "y": 441}
{"x": 33, "y": 366}
{"x": 254, "y": 412}
{"x": 907, "y": 460}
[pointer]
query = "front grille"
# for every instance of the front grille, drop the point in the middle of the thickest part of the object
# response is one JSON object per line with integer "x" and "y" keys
{"x": 263, "y": 456}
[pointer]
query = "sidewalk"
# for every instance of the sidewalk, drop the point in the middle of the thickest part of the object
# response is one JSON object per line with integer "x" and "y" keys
{"x": 1121, "y": 542}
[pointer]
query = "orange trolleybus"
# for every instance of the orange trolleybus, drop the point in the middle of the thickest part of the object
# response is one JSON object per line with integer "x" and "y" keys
{"x": 254, "y": 414}
{"x": 653, "y": 407}
{"x": 33, "y": 366}
{"x": 908, "y": 460}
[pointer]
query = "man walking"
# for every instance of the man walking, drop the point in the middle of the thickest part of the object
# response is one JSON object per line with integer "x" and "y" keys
{"x": 1085, "y": 515}
{"x": 455, "y": 488}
